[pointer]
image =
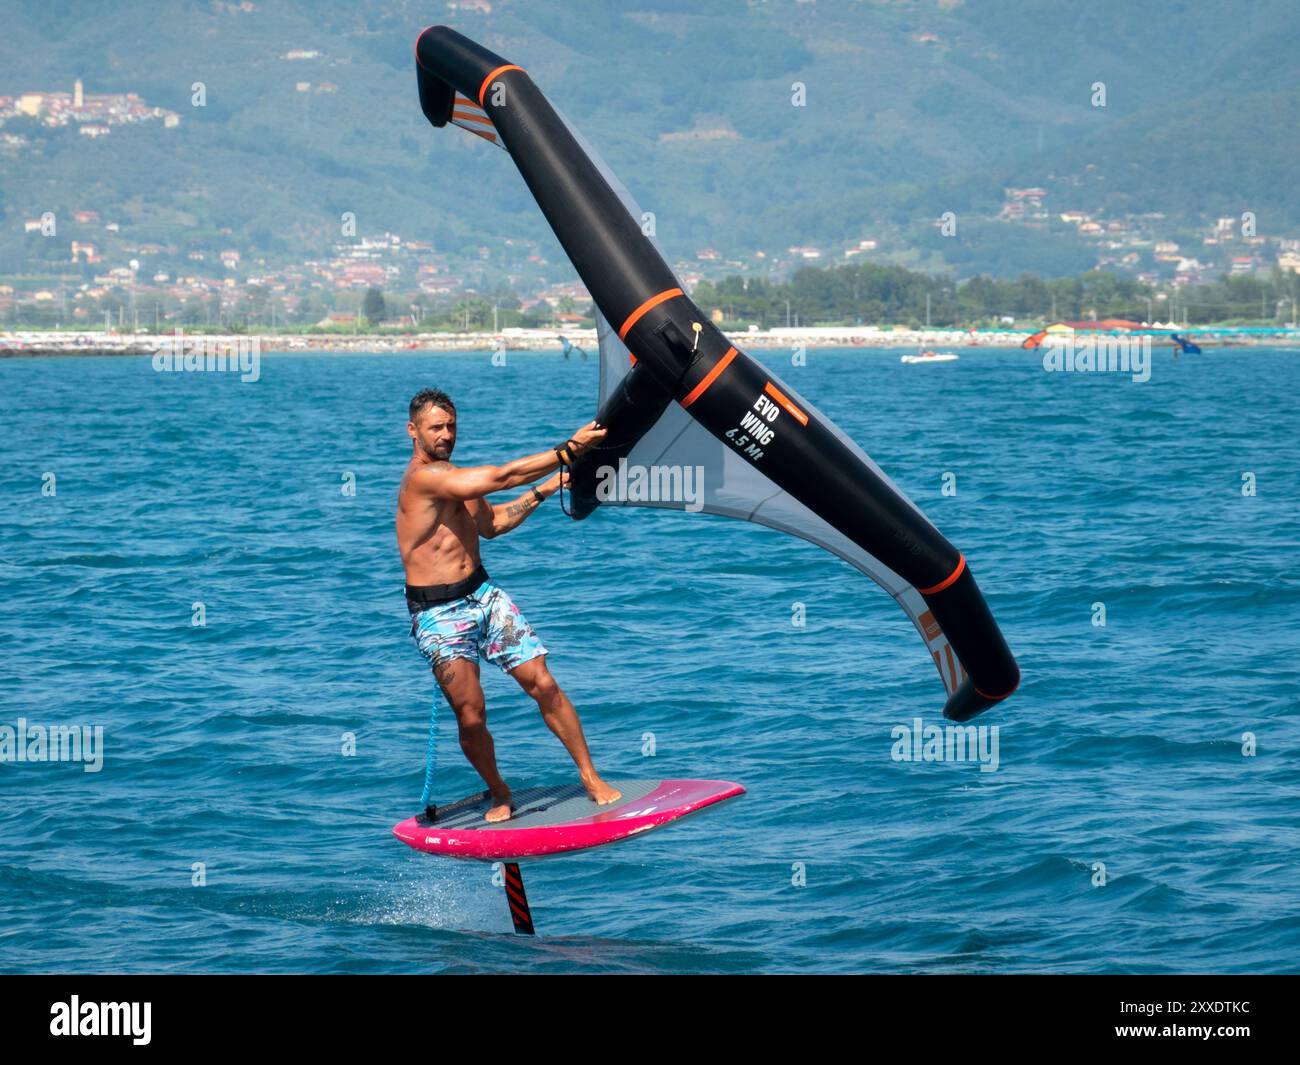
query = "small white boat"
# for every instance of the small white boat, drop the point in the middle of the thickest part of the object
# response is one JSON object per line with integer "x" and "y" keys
{"x": 929, "y": 356}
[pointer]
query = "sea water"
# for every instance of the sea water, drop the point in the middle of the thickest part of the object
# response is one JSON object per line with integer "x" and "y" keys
{"x": 203, "y": 569}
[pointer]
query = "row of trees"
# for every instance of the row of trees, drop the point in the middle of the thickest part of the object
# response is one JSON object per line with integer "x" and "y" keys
{"x": 868, "y": 293}
{"x": 863, "y": 294}
{"x": 258, "y": 309}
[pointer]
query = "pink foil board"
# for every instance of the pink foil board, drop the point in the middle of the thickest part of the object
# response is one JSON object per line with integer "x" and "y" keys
{"x": 556, "y": 820}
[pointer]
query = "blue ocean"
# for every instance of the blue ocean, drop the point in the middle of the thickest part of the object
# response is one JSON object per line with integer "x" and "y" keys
{"x": 204, "y": 570}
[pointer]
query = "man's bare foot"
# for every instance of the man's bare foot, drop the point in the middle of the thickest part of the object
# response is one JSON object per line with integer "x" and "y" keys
{"x": 501, "y": 808}
{"x": 601, "y": 792}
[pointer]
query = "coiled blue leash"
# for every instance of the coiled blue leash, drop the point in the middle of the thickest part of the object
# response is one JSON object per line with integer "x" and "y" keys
{"x": 431, "y": 757}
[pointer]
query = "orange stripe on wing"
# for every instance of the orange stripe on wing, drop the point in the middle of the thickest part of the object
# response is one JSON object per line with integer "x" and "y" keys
{"x": 961, "y": 565}
{"x": 929, "y": 626}
{"x": 499, "y": 70}
{"x": 784, "y": 400}
{"x": 466, "y": 115}
{"x": 652, "y": 302}
{"x": 709, "y": 378}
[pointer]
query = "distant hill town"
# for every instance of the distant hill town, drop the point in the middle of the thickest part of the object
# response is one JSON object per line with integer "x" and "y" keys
{"x": 282, "y": 171}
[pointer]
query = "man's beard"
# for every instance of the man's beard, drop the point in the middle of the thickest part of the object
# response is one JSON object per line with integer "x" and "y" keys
{"x": 439, "y": 452}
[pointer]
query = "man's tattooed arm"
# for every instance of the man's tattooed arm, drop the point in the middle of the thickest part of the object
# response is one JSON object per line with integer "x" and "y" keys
{"x": 509, "y": 515}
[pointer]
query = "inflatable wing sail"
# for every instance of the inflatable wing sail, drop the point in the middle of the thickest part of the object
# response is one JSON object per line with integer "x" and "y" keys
{"x": 676, "y": 394}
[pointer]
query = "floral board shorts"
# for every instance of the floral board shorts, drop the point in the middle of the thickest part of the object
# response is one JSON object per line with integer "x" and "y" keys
{"x": 486, "y": 622}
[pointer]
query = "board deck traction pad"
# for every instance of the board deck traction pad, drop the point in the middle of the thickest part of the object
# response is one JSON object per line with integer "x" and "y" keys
{"x": 535, "y": 807}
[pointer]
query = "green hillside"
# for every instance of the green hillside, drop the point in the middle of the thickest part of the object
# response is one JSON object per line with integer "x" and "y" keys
{"x": 913, "y": 109}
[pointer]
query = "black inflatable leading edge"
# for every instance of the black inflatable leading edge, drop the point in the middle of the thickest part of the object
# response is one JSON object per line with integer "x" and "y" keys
{"x": 720, "y": 385}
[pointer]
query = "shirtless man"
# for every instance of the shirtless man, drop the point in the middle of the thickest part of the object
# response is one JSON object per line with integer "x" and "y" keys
{"x": 457, "y": 611}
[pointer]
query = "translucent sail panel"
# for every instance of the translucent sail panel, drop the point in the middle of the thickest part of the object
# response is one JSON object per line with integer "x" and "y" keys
{"x": 734, "y": 488}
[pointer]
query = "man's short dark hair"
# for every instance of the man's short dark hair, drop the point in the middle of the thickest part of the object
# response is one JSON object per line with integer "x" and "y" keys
{"x": 428, "y": 396}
